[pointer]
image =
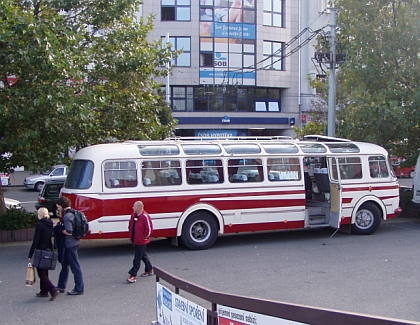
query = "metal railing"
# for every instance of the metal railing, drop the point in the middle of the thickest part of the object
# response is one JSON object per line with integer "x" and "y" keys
{"x": 294, "y": 312}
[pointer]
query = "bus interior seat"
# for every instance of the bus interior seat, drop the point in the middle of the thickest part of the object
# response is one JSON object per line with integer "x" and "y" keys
{"x": 308, "y": 184}
{"x": 212, "y": 179}
{"x": 146, "y": 181}
{"x": 113, "y": 182}
{"x": 195, "y": 178}
{"x": 236, "y": 178}
{"x": 175, "y": 179}
{"x": 322, "y": 180}
{"x": 270, "y": 176}
{"x": 164, "y": 177}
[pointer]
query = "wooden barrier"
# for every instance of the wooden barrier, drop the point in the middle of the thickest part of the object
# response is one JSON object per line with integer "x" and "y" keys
{"x": 294, "y": 312}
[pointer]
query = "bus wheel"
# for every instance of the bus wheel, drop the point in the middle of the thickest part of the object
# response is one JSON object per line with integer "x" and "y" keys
{"x": 368, "y": 219}
{"x": 199, "y": 231}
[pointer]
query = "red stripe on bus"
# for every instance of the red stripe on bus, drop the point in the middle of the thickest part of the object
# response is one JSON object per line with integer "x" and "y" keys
{"x": 229, "y": 229}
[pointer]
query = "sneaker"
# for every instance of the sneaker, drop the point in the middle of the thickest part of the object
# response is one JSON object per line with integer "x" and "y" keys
{"x": 150, "y": 273}
{"x": 131, "y": 279}
{"x": 61, "y": 290}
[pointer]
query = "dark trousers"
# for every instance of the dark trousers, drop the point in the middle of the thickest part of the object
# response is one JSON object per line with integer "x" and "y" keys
{"x": 71, "y": 260}
{"x": 140, "y": 255}
{"x": 45, "y": 283}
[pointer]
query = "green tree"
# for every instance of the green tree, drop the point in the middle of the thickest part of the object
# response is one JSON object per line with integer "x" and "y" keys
{"x": 380, "y": 81}
{"x": 85, "y": 73}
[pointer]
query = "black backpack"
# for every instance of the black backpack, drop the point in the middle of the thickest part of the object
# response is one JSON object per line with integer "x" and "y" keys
{"x": 80, "y": 224}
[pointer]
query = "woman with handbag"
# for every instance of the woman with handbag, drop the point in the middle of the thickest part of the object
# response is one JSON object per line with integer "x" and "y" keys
{"x": 42, "y": 241}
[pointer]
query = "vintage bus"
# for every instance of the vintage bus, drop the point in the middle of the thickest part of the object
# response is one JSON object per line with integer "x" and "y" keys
{"x": 196, "y": 189}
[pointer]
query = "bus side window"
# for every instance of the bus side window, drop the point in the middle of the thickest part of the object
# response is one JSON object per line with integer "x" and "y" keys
{"x": 204, "y": 171}
{"x": 378, "y": 167}
{"x": 283, "y": 169}
{"x": 161, "y": 173}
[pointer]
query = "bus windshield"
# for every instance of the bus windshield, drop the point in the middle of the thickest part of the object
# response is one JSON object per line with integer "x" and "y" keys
{"x": 80, "y": 175}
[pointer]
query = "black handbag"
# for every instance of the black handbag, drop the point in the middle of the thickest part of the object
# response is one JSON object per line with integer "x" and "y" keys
{"x": 45, "y": 259}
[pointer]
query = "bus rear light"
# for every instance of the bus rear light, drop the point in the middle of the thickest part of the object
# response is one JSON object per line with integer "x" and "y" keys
{"x": 398, "y": 211}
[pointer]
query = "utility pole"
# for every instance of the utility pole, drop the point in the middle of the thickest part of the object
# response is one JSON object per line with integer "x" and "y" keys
{"x": 168, "y": 100}
{"x": 331, "y": 80}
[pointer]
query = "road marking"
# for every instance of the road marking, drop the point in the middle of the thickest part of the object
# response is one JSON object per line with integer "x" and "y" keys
{"x": 28, "y": 202}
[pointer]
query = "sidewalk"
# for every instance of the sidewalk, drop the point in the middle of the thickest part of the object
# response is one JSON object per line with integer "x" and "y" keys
{"x": 17, "y": 178}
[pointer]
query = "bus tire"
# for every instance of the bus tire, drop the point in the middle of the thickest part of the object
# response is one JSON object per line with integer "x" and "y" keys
{"x": 199, "y": 231}
{"x": 368, "y": 219}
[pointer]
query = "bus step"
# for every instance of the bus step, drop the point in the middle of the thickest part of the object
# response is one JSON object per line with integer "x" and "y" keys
{"x": 317, "y": 219}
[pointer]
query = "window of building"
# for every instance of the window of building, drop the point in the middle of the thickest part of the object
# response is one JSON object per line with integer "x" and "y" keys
{"x": 272, "y": 55}
{"x": 273, "y": 13}
{"x": 181, "y": 43}
{"x": 182, "y": 98}
{"x": 206, "y": 59}
{"x": 175, "y": 10}
{"x": 267, "y": 100}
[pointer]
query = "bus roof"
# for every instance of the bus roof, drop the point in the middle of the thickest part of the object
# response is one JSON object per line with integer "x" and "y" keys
{"x": 176, "y": 147}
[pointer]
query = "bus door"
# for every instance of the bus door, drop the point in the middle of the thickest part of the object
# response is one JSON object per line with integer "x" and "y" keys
{"x": 335, "y": 192}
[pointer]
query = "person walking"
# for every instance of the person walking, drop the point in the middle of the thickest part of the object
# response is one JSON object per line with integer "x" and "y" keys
{"x": 140, "y": 228}
{"x": 71, "y": 246}
{"x": 42, "y": 240}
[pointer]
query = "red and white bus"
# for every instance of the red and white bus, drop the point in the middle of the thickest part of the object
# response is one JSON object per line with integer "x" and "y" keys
{"x": 195, "y": 190}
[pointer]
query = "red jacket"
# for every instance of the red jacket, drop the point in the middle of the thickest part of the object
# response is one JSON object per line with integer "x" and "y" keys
{"x": 143, "y": 228}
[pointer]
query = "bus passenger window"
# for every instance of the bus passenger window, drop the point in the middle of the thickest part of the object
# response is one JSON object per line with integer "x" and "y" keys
{"x": 161, "y": 173}
{"x": 119, "y": 174}
{"x": 350, "y": 167}
{"x": 245, "y": 170}
{"x": 204, "y": 171}
{"x": 283, "y": 169}
{"x": 378, "y": 167}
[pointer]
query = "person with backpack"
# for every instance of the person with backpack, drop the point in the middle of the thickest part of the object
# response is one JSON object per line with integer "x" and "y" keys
{"x": 71, "y": 245}
{"x": 140, "y": 228}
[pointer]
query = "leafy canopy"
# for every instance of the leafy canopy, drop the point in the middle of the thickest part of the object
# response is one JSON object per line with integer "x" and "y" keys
{"x": 380, "y": 81}
{"x": 84, "y": 73}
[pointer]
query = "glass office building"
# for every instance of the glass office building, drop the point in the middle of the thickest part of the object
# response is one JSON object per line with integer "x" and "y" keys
{"x": 240, "y": 70}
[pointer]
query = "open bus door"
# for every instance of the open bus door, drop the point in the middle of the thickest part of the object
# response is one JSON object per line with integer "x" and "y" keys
{"x": 335, "y": 192}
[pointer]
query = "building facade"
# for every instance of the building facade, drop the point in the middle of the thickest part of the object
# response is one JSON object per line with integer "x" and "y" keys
{"x": 240, "y": 72}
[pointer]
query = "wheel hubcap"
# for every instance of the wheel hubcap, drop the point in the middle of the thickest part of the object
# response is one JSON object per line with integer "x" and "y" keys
{"x": 200, "y": 231}
{"x": 364, "y": 219}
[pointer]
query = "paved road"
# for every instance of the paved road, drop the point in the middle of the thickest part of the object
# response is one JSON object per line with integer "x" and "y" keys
{"x": 375, "y": 275}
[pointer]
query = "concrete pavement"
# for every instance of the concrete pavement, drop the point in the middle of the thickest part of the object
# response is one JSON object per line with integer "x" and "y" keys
{"x": 17, "y": 178}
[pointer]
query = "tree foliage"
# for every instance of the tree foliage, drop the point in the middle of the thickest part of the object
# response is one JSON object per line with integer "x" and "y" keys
{"x": 85, "y": 74}
{"x": 380, "y": 81}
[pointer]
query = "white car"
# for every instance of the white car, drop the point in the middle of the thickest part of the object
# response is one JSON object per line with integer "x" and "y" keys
{"x": 36, "y": 182}
{"x": 12, "y": 204}
{"x": 5, "y": 179}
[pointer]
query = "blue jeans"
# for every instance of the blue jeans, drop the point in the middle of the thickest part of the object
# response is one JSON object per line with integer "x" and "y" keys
{"x": 71, "y": 259}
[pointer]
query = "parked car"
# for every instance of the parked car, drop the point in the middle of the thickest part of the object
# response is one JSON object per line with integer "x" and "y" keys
{"x": 12, "y": 204}
{"x": 401, "y": 169}
{"x": 49, "y": 194}
{"x": 36, "y": 182}
{"x": 5, "y": 179}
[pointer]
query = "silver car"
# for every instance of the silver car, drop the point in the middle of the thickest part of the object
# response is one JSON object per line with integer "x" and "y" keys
{"x": 36, "y": 182}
